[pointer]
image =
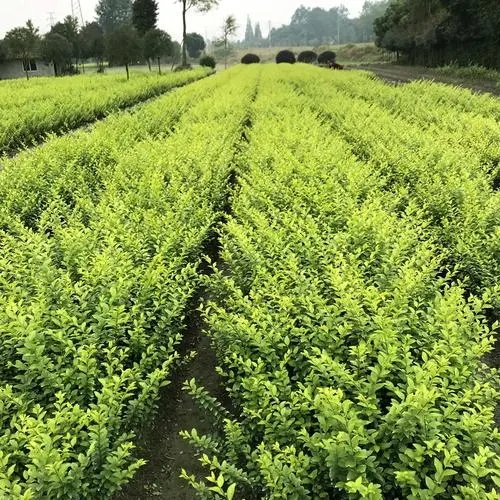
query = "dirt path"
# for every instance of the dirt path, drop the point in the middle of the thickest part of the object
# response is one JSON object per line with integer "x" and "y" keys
{"x": 159, "y": 443}
{"x": 402, "y": 74}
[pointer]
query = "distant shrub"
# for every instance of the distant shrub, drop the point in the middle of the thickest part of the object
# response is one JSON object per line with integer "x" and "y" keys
{"x": 326, "y": 57}
{"x": 307, "y": 56}
{"x": 208, "y": 62}
{"x": 183, "y": 68}
{"x": 285, "y": 56}
{"x": 250, "y": 59}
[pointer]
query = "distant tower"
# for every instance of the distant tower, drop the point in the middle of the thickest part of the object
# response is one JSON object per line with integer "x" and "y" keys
{"x": 51, "y": 19}
{"x": 76, "y": 9}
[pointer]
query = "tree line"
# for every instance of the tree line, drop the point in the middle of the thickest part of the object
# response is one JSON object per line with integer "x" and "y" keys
{"x": 124, "y": 32}
{"x": 436, "y": 32}
{"x": 317, "y": 26}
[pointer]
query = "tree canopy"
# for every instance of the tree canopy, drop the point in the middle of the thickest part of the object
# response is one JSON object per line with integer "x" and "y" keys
{"x": 124, "y": 46}
{"x": 440, "y": 31}
{"x": 195, "y": 45}
{"x": 144, "y": 15}
{"x": 111, "y": 14}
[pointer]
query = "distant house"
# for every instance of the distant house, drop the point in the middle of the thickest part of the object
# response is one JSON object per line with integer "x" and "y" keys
{"x": 16, "y": 68}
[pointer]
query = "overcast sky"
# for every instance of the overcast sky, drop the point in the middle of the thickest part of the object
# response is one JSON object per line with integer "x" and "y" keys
{"x": 16, "y": 12}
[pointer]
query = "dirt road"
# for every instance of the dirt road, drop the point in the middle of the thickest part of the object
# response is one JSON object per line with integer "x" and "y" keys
{"x": 402, "y": 74}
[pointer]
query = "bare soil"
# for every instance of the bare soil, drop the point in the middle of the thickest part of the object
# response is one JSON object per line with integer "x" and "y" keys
{"x": 159, "y": 442}
{"x": 392, "y": 73}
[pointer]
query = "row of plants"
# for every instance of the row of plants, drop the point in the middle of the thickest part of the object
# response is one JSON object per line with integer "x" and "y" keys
{"x": 448, "y": 165}
{"x": 99, "y": 263}
{"x": 352, "y": 351}
{"x": 31, "y": 112}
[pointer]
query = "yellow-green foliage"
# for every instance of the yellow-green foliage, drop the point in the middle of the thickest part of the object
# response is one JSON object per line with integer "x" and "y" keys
{"x": 32, "y": 109}
{"x": 351, "y": 316}
{"x": 99, "y": 249}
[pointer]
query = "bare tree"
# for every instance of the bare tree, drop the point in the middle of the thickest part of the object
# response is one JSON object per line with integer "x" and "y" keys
{"x": 200, "y": 6}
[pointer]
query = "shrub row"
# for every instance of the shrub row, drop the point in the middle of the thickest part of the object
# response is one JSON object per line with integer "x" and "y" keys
{"x": 95, "y": 280}
{"x": 31, "y": 110}
{"x": 352, "y": 355}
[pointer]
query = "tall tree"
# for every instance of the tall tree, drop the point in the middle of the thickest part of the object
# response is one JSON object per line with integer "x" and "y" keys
{"x": 228, "y": 30}
{"x": 200, "y": 6}
{"x": 22, "y": 42}
{"x": 69, "y": 30}
{"x": 249, "y": 34}
{"x": 3, "y": 51}
{"x": 157, "y": 43}
{"x": 195, "y": 45}
{"x": 124, "y": 46}
{"x": 258, "y": 35}
{"x": 144, "y": 15}
{"x": 111, "y": 14}
{"x": 92, "y": 43}
{"x": 58, "y": 50}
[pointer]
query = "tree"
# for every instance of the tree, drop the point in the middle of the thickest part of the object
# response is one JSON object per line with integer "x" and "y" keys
{"x": 3, "y": 51}
{"x": 58, "y": 50}
{"x": 258, "y": 35}
{"x": 22, "y": 42}
{"x": 249, "y": 34}
{"x": 195, "y": 45}
{"x": 200, "y": 6}
{"x": 92, "y": 43}
{"x": 144, "y": 15}
{"x": 124, "y": 46}
{"x": 111, "y": 14}
{"x": 69, "y": 30}
{"x": 157, "y": 43}
{"x": 229, "y": 28}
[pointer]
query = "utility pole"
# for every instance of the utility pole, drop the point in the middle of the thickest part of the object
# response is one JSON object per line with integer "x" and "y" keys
{"x": 76, "y": 9}
{"x": 51, "y": 19}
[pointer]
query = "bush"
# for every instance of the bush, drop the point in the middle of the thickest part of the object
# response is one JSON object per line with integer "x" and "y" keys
{"x": 285, "y": 56}
{"x": 326, "y": 57}
{"x": 208, "y": 62}
{"x": 250, "y": 59}
{"x": 183, "y": 68}
{"x": 308, "y": 57}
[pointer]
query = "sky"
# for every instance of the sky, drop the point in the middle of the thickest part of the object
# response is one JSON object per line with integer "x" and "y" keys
{"x": 15, "y": 13}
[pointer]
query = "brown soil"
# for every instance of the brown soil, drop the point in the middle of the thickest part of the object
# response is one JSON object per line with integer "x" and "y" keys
{"x": 159, "y": 443}
{"x": 392, "y": 73}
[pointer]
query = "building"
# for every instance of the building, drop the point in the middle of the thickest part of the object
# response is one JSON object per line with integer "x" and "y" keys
{"x": 16, "y": 68}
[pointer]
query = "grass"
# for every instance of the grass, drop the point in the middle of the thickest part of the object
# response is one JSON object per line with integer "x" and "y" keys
{"x": 472, "y": 72}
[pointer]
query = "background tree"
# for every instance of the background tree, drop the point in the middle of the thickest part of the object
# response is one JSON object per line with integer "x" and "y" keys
{"x": 176, "y": 56}
{"x": 249, "y": 34}
{"x": 144, "y": 15}
{"x": 258, "y": 38}
{"x": 3, "y": 51}
{"x": 157, "y": 44}
{"x": 200, "y": 6}
{"x": 58, "y": 50}
{"x": 69, "y": 30}
{"x": 124, "y": 47}
{"x": 194, "y": 45}
{"x": 22, "y": 42}
{"x": 93, "y": 44}
{"x": 228, "y": 30}
{"x": 111, "y": 14}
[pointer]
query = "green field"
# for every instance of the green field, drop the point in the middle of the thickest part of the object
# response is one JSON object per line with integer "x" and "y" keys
{"x": 32, "y": 109}
{"x": 352, "y": 304}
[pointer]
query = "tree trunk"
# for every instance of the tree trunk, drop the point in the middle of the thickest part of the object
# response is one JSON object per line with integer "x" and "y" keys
{"x": 159, "y": 66}
{"x": 225, "y": 53}
{"x": 149, "y": 63}
{"x": 128, "y": 74}
{"x": 184, "y": 34}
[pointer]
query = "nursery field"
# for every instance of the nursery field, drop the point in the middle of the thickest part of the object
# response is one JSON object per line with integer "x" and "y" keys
{"x": 32, "y": 109}
{"x": 352, "y": 303}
